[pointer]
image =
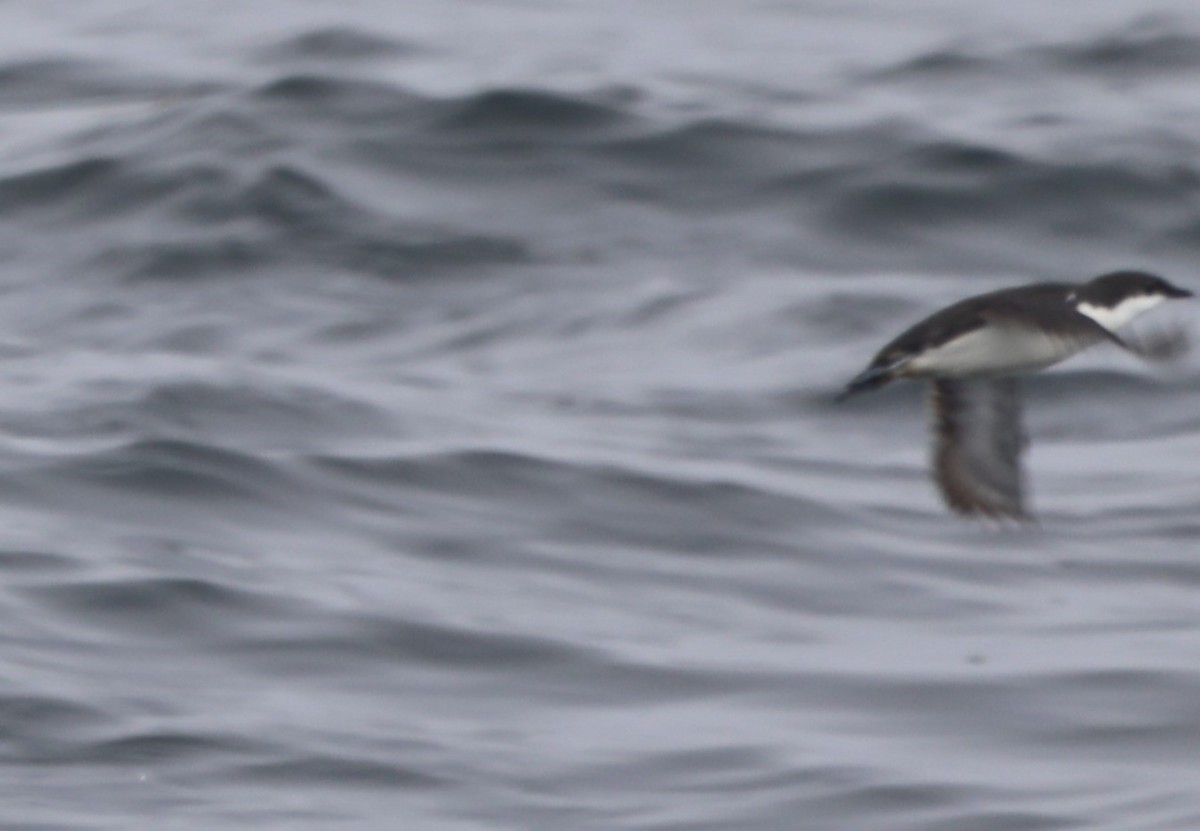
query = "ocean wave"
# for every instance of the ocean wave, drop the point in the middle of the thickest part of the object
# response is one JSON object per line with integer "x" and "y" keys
{"x": 227, "y": 225}
{"x": 1154, "y": 45}
{"x": 532, "y": 114}
{"x": 54, "y": 82}
{"x": 339, "y": 44}
{"x": 678, "y": 512}
{"x": 177, "y": 471}
{"x": 333, "y": 770}
{"x": 232, "y": 187}
{"x": 161, "y": 607}
{"x": 369, "y": 104}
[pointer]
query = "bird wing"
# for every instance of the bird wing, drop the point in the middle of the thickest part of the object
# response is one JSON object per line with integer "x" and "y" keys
{"x": 978, "y": 440}
{"x": 1162, "y": 345}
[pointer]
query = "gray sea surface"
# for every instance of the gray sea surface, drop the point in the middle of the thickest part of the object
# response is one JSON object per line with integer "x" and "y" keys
{"x": 420, "y": 416}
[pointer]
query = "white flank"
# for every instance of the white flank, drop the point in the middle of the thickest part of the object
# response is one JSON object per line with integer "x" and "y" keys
{"x": 1114, "y": 317}
{"x": 996, "y": 350}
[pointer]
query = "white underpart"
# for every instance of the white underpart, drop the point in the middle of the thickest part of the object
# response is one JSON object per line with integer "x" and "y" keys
{"x": 995, "y": 350}
{"x": 1114, "y": 317}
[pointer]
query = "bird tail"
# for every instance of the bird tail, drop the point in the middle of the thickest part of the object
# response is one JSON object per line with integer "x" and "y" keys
{"x": 871, "y": 378}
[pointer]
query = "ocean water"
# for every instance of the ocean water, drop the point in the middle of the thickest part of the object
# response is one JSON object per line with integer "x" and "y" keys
{"x": 420, "y": 416}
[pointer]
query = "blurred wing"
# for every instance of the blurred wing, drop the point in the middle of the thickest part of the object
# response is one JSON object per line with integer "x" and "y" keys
{"x": 1162, "y": 345}
{"x": 978, "y": 440}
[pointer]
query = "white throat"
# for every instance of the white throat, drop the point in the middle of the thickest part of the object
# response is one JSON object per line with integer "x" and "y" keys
{"x": 1114, "y": 317}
